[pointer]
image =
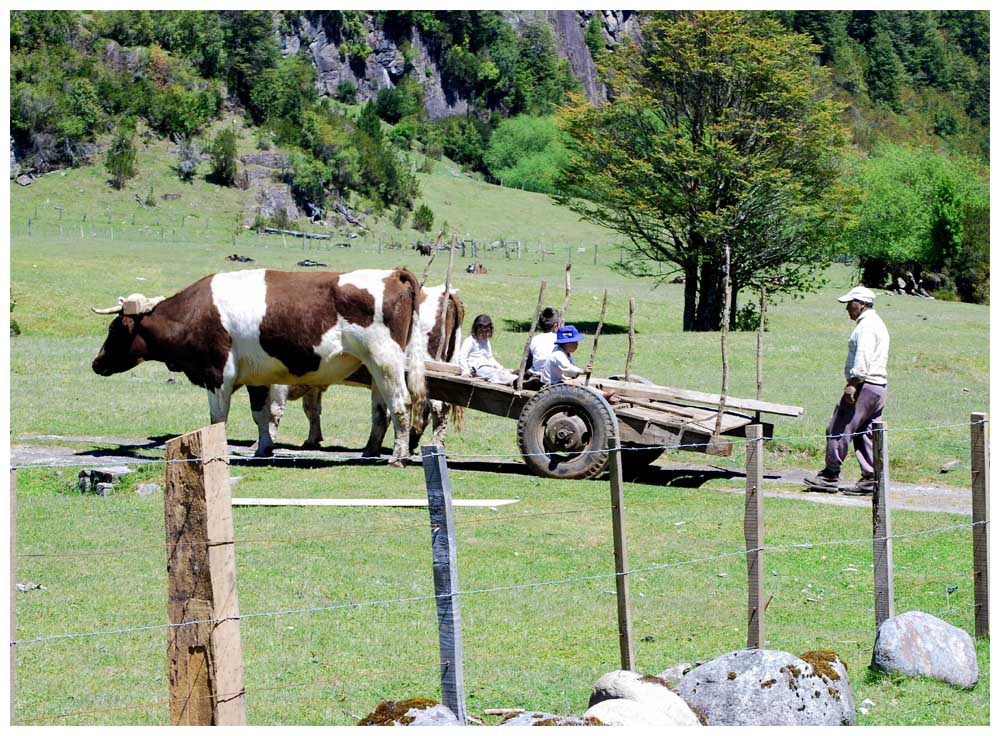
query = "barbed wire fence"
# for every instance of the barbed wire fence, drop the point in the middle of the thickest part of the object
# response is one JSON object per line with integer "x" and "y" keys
{"x": 815, "y": 594}
{"x": 185, "y": 230}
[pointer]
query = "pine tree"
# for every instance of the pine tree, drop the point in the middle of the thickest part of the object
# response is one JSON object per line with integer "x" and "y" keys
{"x": 885, "y": 71}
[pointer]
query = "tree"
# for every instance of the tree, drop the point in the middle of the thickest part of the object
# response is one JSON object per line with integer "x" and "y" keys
{"x": 912, "y": 215}
{"x": 224, "y": 157}
{"x": 188, "y": 156}
{"x": 120, "y": 160}
{"x": 526, "y": 152}
{"x": 718, "y": 134}
{"x": 423, "y": 219}
{"x": 885, "y": 74}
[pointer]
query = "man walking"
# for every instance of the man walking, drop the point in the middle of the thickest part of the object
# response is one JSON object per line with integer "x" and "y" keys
{"x": 863, "y": 398}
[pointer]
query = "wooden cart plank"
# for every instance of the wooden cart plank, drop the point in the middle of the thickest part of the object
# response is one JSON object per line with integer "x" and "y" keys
{"x": 642, "y": 391}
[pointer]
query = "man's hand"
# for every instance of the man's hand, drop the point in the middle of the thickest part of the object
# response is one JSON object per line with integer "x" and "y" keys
{"x": 850, "y": 394}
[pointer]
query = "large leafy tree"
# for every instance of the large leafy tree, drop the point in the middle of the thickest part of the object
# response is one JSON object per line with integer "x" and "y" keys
{"x": 718, "y": 135}
{"x": 913, "y": 212}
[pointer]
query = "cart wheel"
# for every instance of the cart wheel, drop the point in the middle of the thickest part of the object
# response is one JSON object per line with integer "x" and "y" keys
{"x": 563, "y": 432}
{"x": 636, "y": 458}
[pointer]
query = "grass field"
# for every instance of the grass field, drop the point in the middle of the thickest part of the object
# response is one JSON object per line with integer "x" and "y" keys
{"x": 539, "y": 647}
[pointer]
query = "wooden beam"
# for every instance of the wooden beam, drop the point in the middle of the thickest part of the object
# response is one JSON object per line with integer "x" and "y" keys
{"x": 626, "y": 648}
{"x": 753, "y": 533}
{"x": 631, "y": 338}
{"x": 597, "y": 336}
{"x": 569, "y": 286}
{"x": 444, "y": 562}
{"x": 882, "y": 529}
{"x": 398, "y": 502}
{"x": 204, "y": 653}
{"x": 666, "y": 393}
{"x": 981, "y": 519}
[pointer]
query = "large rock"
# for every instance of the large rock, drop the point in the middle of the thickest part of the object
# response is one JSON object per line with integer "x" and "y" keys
{"x": 539, "y": 718}
{"x": 413, "y": 712}
{"x": 769, "y": 688}
{"x": 621, "y": 712}
{"x": 100, "y": 480}
{"x": 649, "y": 691}
{"x": 920, "y": 645}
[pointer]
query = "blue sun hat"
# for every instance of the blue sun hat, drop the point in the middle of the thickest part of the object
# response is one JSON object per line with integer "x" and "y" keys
{"x": 568, "y": 333}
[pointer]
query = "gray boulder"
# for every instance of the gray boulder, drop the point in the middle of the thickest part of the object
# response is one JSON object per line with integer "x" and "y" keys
{"x": 756, "y": 687}
{"x": 538, "y": 718}
{"x": 651, "y": 692}
{"x": 917, "y": 644}
{"x": 412, "y": 712}
{"x": 622, "y": 712}
{"x": 673, "y": 675}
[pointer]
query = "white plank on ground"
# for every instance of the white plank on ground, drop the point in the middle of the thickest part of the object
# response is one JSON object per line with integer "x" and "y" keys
{"x": 406, "y": 502}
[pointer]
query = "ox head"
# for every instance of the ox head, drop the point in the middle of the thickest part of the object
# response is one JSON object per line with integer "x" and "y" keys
{"x": 124, "y": 347}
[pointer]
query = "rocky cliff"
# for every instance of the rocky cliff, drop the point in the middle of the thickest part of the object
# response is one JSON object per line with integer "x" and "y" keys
{"x": 386, "y": 64}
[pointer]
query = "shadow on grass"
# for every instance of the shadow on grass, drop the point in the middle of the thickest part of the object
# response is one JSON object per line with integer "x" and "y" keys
{"x": 587, "y": 327}
{"x": 654, "y": 475}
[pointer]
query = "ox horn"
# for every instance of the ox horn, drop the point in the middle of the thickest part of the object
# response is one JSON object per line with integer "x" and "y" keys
{"x": 110, "y": 310}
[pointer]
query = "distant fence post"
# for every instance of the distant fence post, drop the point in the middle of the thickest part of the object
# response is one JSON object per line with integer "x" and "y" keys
{"x": 625, "y": 645}
{"x": 753, "y": 532}
{"x": 445, "y": 563}
{"x": 882, "y": 528}
{"x": 980, "y": 520}
{"x": 204, "y": 659}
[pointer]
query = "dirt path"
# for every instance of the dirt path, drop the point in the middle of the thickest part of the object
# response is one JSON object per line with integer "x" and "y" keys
{"x": 40, "y": 450}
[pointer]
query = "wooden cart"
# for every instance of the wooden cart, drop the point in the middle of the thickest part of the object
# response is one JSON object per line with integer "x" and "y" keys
{"x": 563, "y": 430}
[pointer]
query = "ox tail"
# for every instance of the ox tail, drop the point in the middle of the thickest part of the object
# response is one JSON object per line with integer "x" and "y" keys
{"x": 457, "y": 414}
{"x": 416, "y": 348}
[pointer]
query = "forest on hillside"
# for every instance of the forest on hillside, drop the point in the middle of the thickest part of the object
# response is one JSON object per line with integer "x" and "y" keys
{"x": 911, "y": 87}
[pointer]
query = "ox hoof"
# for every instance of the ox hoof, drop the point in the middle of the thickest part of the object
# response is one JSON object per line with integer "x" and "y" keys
{"x": 397, "y": 462}
{"x": 307, "y": 445}
{"x": 269, "y": 452}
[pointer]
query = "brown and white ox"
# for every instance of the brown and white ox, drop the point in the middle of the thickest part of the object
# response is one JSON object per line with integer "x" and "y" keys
{"x": 436, "y": 323}
{"x": 261, "y": 327}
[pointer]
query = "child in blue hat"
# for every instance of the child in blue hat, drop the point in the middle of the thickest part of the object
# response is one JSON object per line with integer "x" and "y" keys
{"x": 560, "y": 365}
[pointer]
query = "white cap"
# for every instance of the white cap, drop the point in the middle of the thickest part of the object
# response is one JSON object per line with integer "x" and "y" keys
{"x": 858, "y": 293}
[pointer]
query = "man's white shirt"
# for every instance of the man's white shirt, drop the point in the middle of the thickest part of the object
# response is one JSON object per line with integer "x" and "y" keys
{"x": 868, "y": 349}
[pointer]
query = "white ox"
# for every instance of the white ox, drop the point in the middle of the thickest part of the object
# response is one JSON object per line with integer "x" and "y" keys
{"x": 436, "y": 323}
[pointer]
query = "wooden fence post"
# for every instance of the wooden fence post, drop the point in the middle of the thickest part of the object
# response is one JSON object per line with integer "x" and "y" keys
{"x": 13, "y": 586}
{"x": 753, "y": 531}
{"x": 204, "y": 659}
{"x": 625, "y": 645}
{"x": 882, "y": 528}
{"x": 446, "y": 591}
{"x": 981, "y": 520}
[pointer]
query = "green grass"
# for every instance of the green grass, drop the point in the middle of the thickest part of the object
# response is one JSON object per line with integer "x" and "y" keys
{"x": 535, "y": 647}
{"x": 540, "y": 647}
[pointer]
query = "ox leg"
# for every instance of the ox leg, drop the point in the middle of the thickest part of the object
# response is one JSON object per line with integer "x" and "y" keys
{"x": 312, "y": 405}
{"x": 380, "y": 425}
{"x": 261, "y": 408}
{"x": 395, "y": 395}
{"x": 277, "y": 397}
{"x": 419, "y": 416}
{"x": 218, "y": 403}
{"x": 439, "y": 421}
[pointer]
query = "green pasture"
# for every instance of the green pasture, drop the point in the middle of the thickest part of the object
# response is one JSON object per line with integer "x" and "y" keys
{"x": 539, "y": 647}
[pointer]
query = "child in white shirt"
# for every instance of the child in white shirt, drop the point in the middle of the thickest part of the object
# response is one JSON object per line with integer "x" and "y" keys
{"x": 542, "y": 344}
{"x": 476, "y": 356}
{"x": 559, "y": 364}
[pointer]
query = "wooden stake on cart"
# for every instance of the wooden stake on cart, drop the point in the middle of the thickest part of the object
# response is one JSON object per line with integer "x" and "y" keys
{"x": 447, "y": 296}
{"x": 427, "y": 268}
{"x": 531, "y": 334}
{"x": 597, "y": 336}
{"x": 760, "y": 343}
{"x": 631, "y": 338}
{"x": 725, "y": 350}
{"x": 565, "y": 306}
